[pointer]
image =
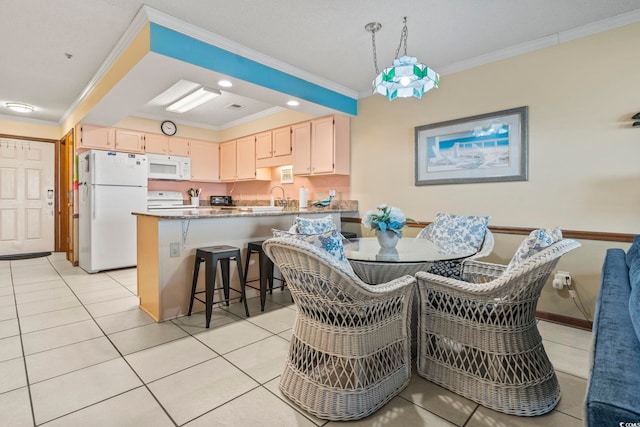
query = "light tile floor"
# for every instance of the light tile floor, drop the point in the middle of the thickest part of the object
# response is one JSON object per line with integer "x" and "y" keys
{"x": 75, "y": 350}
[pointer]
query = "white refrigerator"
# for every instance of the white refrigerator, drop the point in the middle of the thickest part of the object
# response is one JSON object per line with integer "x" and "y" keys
{"x": 111, "y": 186}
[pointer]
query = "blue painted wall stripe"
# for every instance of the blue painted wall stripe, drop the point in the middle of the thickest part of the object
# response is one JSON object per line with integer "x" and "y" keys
{"x": 179, "y": 46}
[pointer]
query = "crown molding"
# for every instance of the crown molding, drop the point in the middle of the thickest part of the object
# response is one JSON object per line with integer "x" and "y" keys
{"x": 600, "y": 26}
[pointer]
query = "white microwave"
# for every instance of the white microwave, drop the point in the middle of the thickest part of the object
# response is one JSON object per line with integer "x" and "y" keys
{"x": 174, "y": 168}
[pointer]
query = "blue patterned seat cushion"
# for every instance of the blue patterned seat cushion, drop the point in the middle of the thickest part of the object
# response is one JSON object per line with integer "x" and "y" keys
{"x": 534, "y": 243}
{"x": 330, "y": 241}
{"x": 458, "y": 233}
{"x": 315, "y": 225}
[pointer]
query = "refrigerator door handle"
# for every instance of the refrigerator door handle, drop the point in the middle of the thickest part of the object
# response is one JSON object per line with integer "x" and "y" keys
{"x": 93, "y": 203}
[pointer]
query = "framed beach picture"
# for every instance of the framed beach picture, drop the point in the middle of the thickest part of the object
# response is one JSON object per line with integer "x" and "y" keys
{"x": 489, "y": 147}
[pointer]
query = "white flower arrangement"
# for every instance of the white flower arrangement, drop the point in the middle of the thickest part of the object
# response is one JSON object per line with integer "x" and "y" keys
{"x": 386, "y": 218}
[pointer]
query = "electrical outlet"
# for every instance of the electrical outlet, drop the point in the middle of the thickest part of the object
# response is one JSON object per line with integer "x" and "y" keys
{"x": 562, "y": 279}
{"x": 174, "y": 249}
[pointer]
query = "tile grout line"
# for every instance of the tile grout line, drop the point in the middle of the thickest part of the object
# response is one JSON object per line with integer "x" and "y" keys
{"x": 24, "y": 360}
{"x": 144, "y": 384}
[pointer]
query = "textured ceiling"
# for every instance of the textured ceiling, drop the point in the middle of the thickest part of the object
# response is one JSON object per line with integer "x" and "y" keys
{"x": 323, "y": 38}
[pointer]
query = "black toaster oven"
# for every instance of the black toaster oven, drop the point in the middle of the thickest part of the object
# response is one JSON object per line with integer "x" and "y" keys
{"x": 221, "y": 201}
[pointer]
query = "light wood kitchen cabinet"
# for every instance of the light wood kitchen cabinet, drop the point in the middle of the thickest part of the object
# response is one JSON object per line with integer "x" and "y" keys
{"x": 281, "y": 141}
{"x": 321, "y": 146}
{"x": 246, "y": 157}
{"x": 129, "y": 140}
{"x": 179, "y": 146}
{"x": 205, "y": 161}
{"x": 238, "y": 161}
{"x": 264, "y": 146}
{"x": 228, "y": 161}
{"x": 301, "y": 141}
{"x": 169, "y": 145}
{"x": 100, "y": 137}
{"x": 156, "y": 143}
{"x": 273, "y": 148}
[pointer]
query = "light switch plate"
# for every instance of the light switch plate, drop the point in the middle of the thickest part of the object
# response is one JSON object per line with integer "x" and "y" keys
{"x": 174, "y": 249}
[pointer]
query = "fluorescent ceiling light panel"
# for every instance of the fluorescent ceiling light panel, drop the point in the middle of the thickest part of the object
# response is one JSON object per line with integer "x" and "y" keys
{"x": 19, "y": 107}
{"x": 176, "y": 91}
{"x": 193, "y": 100}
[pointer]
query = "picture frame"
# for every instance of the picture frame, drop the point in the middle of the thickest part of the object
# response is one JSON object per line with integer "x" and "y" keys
{"x": 489, "y": 147}
{"x": 286, "y": 175}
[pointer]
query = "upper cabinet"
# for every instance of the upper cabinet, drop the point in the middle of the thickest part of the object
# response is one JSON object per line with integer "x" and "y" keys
{"x": 106, "y": 138}
{"x": 321, "y": 146}
{"x": 115, "y": 139}
{"x": 169, "y": 145}
{"x": 228, "y": 161}
{"x": 205, "y": 161}
{"x": 301, "y": 140}
{"x": 156, "y": 143}
{"x": 238, "y": 161}
{"x": 273, "y": 148}
{"x": 129, "y": 140}
{"x": 246, "y": 158}
{"x": 264, "y": 148}
{"x": 103, "y": 138}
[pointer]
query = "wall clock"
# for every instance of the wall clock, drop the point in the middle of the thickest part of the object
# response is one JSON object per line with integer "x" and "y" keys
{"x": 168, "y": 128}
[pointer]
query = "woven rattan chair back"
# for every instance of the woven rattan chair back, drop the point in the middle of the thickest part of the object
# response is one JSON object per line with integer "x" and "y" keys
{"x": 350, "y": 349}
{"x": 478, "y": 336}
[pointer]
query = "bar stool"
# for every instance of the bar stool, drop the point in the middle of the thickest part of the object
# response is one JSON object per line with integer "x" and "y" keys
{"x": 211, "y": 255}
{"x": 266, "y": 270}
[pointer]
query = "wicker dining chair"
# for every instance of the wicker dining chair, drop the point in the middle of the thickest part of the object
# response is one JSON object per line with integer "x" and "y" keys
{"x": 478, "y": 336}
{"x": 350, "y": 349}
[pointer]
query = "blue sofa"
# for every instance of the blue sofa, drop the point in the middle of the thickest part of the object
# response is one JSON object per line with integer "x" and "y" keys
{"x": 613, "y": 394}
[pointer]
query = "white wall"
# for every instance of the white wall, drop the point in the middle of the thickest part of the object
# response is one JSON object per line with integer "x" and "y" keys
{"x": 584, "y": 156}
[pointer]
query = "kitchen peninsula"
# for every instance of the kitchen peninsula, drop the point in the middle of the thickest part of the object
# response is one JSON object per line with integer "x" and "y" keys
{"x": 167, "y": 242}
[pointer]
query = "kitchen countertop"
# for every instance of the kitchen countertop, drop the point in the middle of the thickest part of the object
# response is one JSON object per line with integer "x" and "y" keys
{"x": 218, "y": 212}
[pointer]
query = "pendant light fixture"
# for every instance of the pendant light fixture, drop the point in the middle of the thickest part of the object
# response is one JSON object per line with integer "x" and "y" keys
{"x": 406, "y": 77}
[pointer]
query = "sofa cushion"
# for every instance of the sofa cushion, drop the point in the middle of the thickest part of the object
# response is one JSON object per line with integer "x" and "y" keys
{"x": 633, "y": 262}
{"x": 457, "y": 234}
{"x": 613, "y": 394}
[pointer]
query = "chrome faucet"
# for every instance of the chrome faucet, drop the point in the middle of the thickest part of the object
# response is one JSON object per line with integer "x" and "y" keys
{"x": 284, "y": 201}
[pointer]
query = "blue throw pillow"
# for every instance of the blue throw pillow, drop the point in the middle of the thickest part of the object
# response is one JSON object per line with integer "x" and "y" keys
{"x": 458, "y": 234}
{"x": 329, "y": 241}
{"x": 633, "y": 262}
{"x": 315, "y": 225}
{"x": 537, "y": 241}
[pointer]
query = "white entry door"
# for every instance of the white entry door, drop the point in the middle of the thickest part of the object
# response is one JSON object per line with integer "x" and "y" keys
{"x": 27, "y": 199}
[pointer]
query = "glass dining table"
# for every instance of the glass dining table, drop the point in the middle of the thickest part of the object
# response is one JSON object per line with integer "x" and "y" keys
{"x": 375, "y": 265}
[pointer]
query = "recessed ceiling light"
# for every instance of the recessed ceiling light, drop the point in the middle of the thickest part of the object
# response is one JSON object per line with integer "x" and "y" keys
{"x": 19, "y": 107}
{"x": 225, "y": 83}
{"x": 293, "y": 103}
